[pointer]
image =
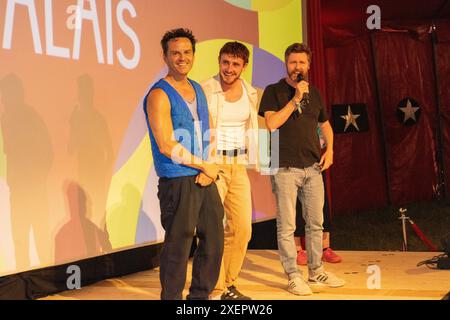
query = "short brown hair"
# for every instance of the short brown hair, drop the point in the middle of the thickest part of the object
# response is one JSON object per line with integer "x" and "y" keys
{"x": 177, "y": 33}
{"x": 298, "y": 48}
{"x": 235, "y": 49}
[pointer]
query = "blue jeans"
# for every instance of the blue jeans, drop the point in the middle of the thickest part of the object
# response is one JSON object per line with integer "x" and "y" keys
{"x": 307, "y": 185}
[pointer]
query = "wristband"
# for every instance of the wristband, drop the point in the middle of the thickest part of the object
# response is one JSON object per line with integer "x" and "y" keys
{"x": 297, "y": 105}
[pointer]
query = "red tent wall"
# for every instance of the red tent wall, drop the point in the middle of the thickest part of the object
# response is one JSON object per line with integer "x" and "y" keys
{"x": 405, "y": 69}
{"x": 317, "y": 72}
{"x": 364, "y": 175}
{"x": 358, "y": 174}
{"x": 443, "y": 58}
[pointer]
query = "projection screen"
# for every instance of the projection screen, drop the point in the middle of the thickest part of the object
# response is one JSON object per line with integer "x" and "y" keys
{"x": 76, "y": 172}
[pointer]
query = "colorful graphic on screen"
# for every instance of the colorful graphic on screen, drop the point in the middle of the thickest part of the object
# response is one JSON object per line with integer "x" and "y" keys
{"x": 76, "y": 171}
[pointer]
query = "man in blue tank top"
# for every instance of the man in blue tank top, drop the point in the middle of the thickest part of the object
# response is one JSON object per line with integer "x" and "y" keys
{"x": 178, "y": 121}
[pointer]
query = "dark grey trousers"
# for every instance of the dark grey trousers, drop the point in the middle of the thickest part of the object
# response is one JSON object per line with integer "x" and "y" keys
{"x": 186, "y": 208}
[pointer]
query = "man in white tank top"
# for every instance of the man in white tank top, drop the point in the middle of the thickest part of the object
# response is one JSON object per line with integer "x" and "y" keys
{"x": 232, "y": 104}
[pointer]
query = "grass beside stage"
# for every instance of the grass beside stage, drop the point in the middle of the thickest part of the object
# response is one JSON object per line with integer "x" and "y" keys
{"x": 382, "y": 230}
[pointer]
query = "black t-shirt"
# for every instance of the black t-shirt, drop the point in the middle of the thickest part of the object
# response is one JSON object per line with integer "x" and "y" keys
{"x": 299, "y": 142}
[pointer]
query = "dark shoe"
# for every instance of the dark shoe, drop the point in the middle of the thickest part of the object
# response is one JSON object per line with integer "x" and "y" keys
{"x": 189, "y": 297}
{"x": 233, "y": 294}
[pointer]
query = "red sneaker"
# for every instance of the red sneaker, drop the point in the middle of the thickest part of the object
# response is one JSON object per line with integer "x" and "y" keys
{"x": 302, "y": 259}
{"x": 330, "y": 256}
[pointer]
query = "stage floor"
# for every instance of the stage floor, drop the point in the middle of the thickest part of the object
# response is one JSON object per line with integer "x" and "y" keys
{"x": 262, "y": 278}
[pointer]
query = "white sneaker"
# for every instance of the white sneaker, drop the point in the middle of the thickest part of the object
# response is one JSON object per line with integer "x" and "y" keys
{"x": 326, "y": 279}
{"x": 216, "y": 297}
{"x": 299, "y": 287}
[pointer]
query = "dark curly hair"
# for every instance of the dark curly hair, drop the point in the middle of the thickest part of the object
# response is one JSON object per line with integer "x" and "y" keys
{"x": 298, "y": 48}
{"x": 177, "y": 33}
{"x": 235, "y": 49}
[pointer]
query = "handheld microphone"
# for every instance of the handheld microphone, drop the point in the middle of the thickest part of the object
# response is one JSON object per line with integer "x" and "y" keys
{"x": 305, "y": 97}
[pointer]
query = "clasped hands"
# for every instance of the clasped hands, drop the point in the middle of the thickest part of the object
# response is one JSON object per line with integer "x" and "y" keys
{"x": 209, "y": 174}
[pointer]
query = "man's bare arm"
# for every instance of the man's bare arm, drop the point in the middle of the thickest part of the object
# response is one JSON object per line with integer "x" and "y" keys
{"x": 274, "y": 120}
{"x": 327, "y": 158}
{"x": 158, "y": 110}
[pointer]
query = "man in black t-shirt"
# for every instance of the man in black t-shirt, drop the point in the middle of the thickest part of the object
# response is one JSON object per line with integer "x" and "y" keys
{"x": 295, "y": 108}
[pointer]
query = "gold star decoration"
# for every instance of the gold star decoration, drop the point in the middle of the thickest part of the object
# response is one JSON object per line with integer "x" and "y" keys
{"x": 350, "y": 119}
{"x": 409, "y": 111}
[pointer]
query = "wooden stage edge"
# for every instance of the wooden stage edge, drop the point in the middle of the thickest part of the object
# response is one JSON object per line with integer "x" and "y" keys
{"x": 262, "y": 278}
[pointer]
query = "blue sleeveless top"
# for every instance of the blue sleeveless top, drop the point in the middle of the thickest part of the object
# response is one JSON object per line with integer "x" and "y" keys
{"x": 184, "y": 130}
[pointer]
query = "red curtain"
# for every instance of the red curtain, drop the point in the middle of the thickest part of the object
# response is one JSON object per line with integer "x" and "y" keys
{"x": 358, "y": 174}
{"x": 317, "y": 71}
{"x": 443, "y": 56}
{"x": 405, "y": 69}
{"x": 391, "y": 161}
{"x": 315, "y": 33}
